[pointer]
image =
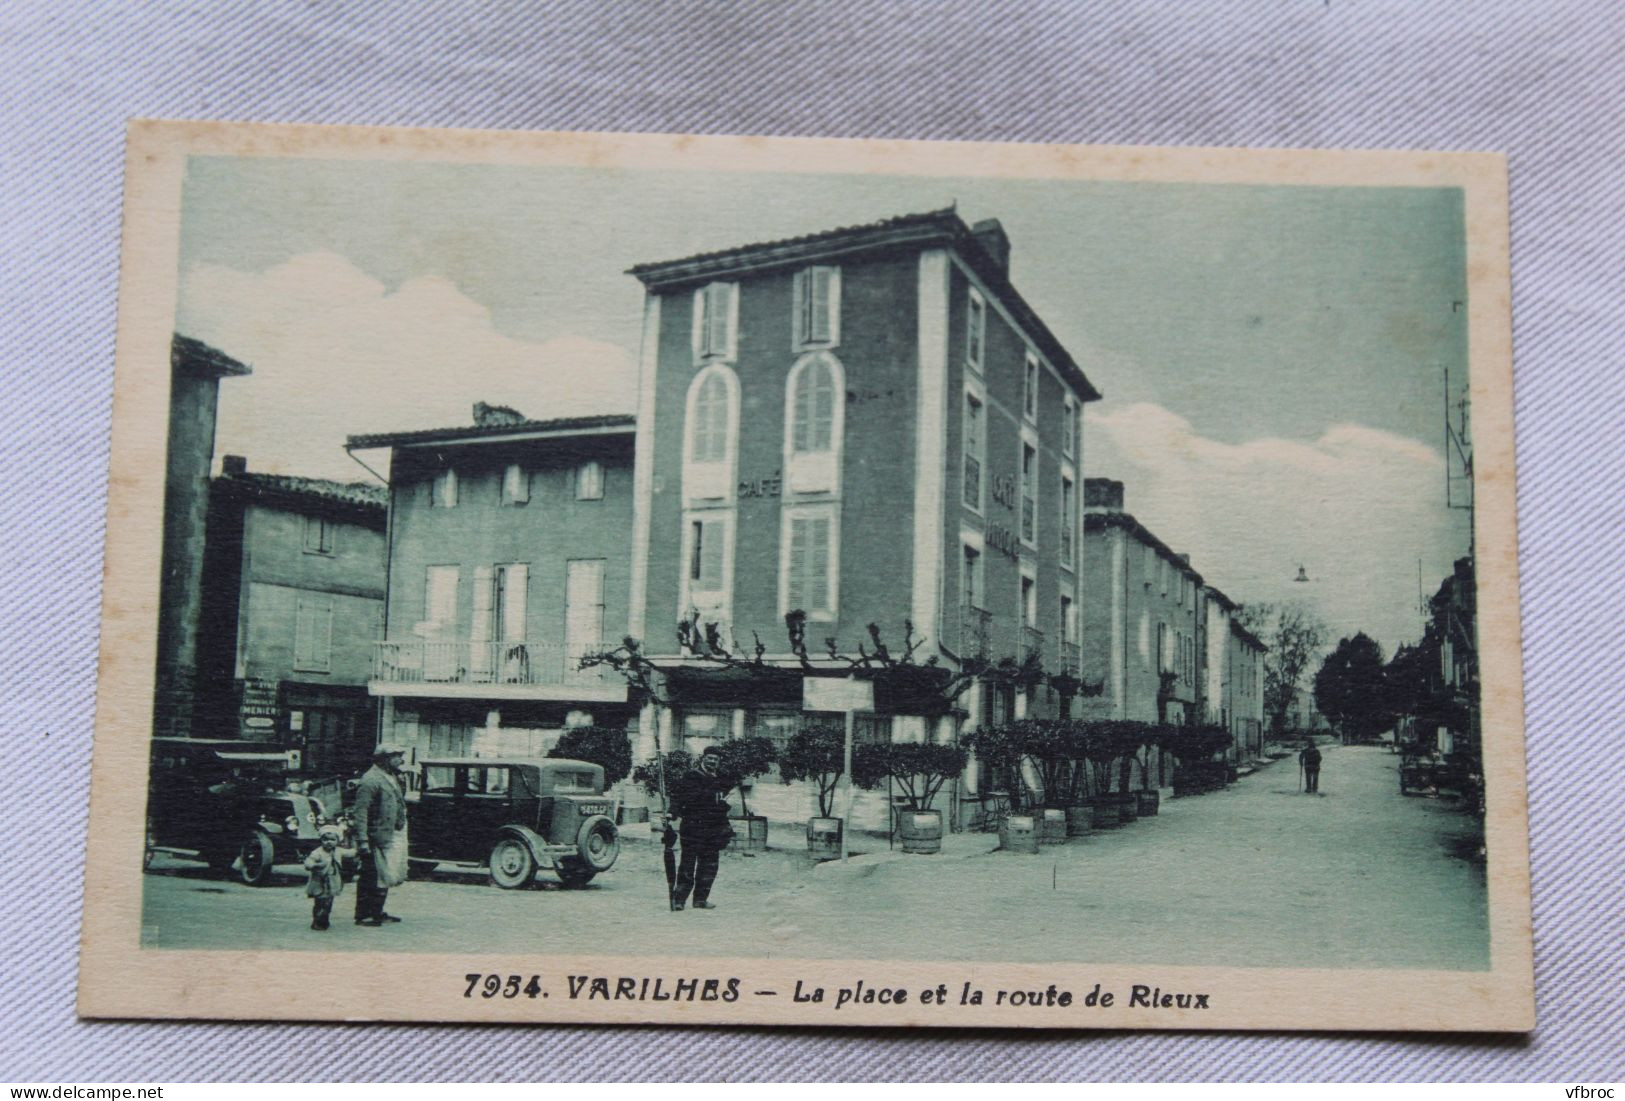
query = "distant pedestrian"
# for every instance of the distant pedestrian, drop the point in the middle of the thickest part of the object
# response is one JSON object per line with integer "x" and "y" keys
{"x": 380, "y": 835}
{"x": 700, "y": 811}
{"x": 1310, "y": 760}
{"x": 326, "y": 878}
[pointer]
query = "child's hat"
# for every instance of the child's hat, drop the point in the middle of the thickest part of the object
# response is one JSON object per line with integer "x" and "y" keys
{"x": 331, "y": 831}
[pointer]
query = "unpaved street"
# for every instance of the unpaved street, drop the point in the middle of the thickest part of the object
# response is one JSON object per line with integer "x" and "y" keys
{"x": 1256, "y": 875}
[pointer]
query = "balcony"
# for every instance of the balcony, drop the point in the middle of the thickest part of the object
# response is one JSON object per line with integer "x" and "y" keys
{"x": 1032, "y": 642}
{"x": 1071, "y": 657}
{"x": 975, "y": 626}
{"x": 490, "y": 670}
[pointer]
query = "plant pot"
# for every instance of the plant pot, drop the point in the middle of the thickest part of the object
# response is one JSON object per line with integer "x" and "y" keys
{"x": 1018, "y": 833}
{"x": 1124, "y": 804}
{"x": 920, "y": 831}
{"x": 1052, "y": 827}
{"x": 750, "y": 834}
{"x": 1103, "y": 814}
{"x": 1149, "y": 801}
{"x": 823, "y": 838}
{"x": 1078, "y": 820}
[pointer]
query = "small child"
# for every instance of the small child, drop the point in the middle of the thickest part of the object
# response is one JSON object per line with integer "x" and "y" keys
{"x": 326, "y": 878}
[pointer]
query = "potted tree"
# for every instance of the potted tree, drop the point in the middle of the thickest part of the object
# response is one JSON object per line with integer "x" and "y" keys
{"x": 919, "y": 769}
{"x": 744, "y": 759}
{"x": 604, "y": 746}
{"x": 1050, "y": 748}
{"x": 1111, "y": 746}
{"x": 1152, "y": 737}
{"x": 817, "y": 754}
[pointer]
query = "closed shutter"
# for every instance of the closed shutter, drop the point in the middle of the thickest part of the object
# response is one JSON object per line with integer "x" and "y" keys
{"x": 818, "y": 306}
{"x": 515, "y": 601}
{"x": 718, "y": 310}
{"x": 480, "y": 622}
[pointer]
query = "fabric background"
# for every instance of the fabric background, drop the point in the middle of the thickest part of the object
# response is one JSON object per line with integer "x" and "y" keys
{"x": 1542, "y": 82}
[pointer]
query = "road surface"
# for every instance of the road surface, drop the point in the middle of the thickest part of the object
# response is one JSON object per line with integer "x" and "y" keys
{"x": 1256, "y": 875}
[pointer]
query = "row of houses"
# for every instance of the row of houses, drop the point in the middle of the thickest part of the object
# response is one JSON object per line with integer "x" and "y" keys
{"x": 869, "y": 425}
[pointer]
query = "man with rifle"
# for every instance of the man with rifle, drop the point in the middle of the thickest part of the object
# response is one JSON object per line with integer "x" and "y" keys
{"x": 699, "y": 810}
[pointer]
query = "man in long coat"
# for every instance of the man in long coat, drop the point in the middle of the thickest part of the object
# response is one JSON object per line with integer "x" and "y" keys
{"x": 379, "y": 812}
{"x": 700, "y": 812}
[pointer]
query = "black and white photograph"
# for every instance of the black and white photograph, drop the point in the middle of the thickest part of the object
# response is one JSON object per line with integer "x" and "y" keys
{"x": 680, "y": 579}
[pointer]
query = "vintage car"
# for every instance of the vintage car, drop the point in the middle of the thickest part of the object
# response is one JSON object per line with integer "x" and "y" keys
{"x": 235, "y": 806}
{"x": 515, "y": 816}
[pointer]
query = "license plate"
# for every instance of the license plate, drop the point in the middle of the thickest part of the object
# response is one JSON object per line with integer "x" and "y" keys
{"x": 594, "y": 808}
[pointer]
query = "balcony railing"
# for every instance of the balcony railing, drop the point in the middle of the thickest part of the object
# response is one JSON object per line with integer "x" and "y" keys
{"x": 426, "y": 661}
{"x": 1032, "y": 642}
{"x": 1071, "y": 657}
{"x": 975, "y": 626}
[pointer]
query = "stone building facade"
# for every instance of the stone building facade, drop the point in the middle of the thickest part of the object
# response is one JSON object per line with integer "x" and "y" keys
{"x": 508, "y": 560}
{"x": 869, "y": 425}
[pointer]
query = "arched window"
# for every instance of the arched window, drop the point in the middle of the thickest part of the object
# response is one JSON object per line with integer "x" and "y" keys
{"x": 709, "y": 426}
{"x": 710, "y": 430}
{"x": 814, "y": 421}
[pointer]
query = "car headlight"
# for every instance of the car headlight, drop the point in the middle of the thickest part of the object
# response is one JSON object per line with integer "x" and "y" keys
{"x": 291, "y": 823}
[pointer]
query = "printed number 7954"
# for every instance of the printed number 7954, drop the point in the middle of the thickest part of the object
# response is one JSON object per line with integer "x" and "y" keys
{"x": 509, "y": 986}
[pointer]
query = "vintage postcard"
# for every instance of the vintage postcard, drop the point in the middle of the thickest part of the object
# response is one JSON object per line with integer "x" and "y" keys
{"x": 673, "y": 579}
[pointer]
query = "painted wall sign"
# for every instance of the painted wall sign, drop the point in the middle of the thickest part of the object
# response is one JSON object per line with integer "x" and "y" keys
{"x": 259, "y": 707}
{"x": 761, "y": 487}
{"x": 1003, "y": 540}
{"x": 1003, "y": 489}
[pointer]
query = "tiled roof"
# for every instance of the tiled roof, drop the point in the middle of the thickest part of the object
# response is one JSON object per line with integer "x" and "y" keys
{"x": 884, "y": 231}
{"x": 190, "y": 354}
{"x": 562, "y": 425}
{"x": 1099, "y": 520}
{"x": 934, "y": 227}
{"x": 292, "y": 489}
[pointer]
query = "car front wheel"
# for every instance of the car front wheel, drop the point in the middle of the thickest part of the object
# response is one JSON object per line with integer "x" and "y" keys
{"x": 512, "y": 865}
{"x": 258, "y": 857}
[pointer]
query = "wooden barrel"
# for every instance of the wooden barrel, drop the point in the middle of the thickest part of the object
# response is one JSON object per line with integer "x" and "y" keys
{"x": 1128, "y": 808}
{"x": 1149, "y": 801}
{"x": 1018, "y": 833}
{"x": 1104, "y": 815}
{"x": 920, "y": 831}
{"x": 750, "y": 834}
{"x": 1052, "y": 827}
{"x": 824, "y": 838}
{"x": 1078, "y": 820}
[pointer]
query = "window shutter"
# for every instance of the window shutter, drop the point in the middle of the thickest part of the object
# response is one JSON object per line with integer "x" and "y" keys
{"x": 718, "y": 310}
{"x": 801, "y": 425}
{"x": 710, "y": 555}
{"x": 817, "y": 586}
{"x": 515, "y": 600}
{"x": 795, "y": 591}
{"x": 798, "y": 311}
{"x": 818, "y": 309}
{"x": 483, "y": 584}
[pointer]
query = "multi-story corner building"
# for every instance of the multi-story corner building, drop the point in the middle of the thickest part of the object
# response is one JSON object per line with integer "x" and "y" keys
{"x": 293, "y": 599}
{"x": 194, "y": 392}
{"x": 508, "y": 560}
{"x": 869, "y": 425}
{"x": 1235, "y": 676}
{"x": 1145, "y": 623}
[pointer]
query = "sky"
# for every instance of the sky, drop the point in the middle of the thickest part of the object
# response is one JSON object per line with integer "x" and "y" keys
{"x": 1272, "y": 358}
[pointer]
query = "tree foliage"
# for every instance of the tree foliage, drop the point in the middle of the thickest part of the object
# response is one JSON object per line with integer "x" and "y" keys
{"x": 1352, "y": 691}
{"x": 1295, "y": 635}
{"x": 601, "y": 745}
{"x": 818, "y": 754}
{"x": 918, "y": 768}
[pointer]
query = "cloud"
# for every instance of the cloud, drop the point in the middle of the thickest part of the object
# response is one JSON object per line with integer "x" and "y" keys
{"x": 336, "y": 352}
{"x": 1356, "y": 507}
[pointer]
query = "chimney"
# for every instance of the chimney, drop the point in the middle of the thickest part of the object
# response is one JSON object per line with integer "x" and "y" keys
{"x": 233, "y": 464}
{"x": 1185, "y": 558}
{"x": 991, "y": 236}
{"x": 1103, "y": 494}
